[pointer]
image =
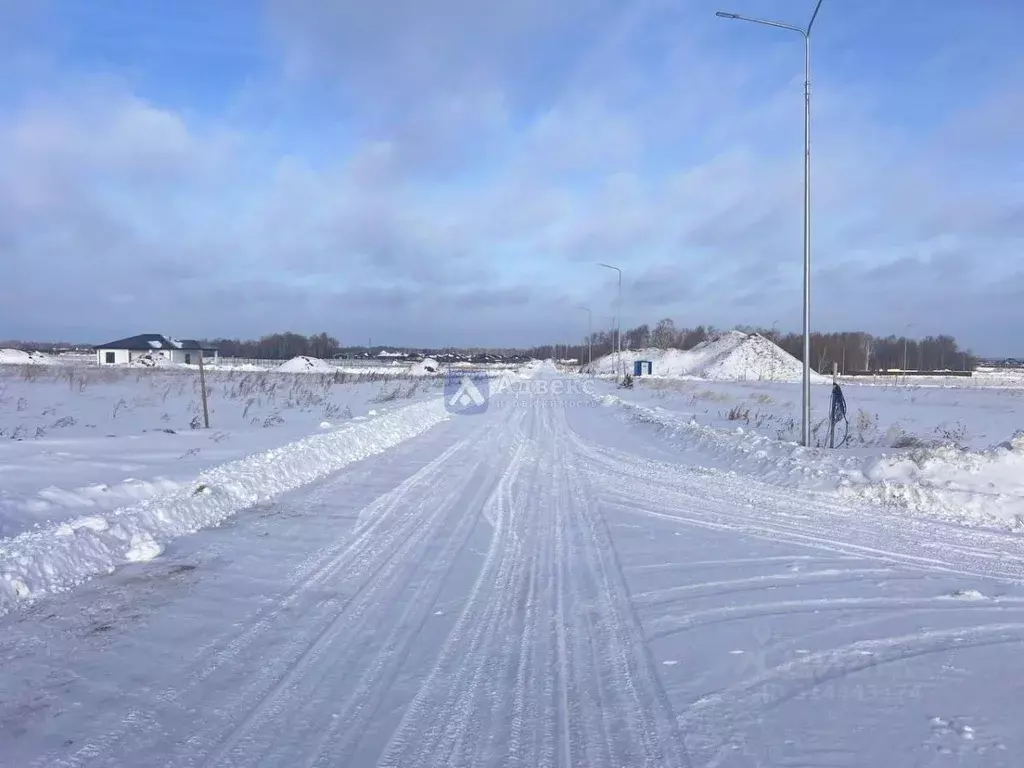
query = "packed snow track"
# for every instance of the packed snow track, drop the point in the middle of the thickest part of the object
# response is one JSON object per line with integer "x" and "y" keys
{"x": 538, "y": 585}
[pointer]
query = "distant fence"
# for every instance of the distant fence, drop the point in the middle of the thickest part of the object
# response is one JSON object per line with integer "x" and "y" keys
{"x": 264, "y": 362}
{"x": 897, "y": 374}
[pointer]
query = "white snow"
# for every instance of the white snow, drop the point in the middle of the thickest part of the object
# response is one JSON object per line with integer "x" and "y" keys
{"x": 149, "y": 360}
{"x": 19, "y": 357}
{"x": 143, "y": 548}
{"x": 967, "y": 594}
{"x": 304, "y": 364}
{"x": 428, "y": 366}
{"x": 548, "y": 583}
{"x": 731, "y": 356}
{"x": 965, "y": 485}
{"x": 54, "y": 558}
{"x": 80, "y": 439}
{"x": 930, "y": 460}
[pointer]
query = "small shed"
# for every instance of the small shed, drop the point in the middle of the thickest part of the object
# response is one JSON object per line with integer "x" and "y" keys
{"x": 640, "y": 367}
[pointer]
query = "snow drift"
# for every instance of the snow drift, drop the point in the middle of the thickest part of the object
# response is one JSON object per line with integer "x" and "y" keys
{"x": 152, "y": 361}
{"x": 965, "y": 486}
{"x": 303, "y": 364}
{"x": 60, "y": 556}
{"x": 731, "y": 356}
{"x": 428, "y": 366}
{"x": 971, "y": 488}
{"x": 19, "y": 357}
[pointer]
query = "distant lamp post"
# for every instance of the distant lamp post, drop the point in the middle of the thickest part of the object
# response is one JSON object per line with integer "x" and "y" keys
{"x": 807, "y": 201}
{"x": 618, "y": 318}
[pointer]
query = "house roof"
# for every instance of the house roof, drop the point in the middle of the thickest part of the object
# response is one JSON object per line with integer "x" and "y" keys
{"x": 151, "y": 342}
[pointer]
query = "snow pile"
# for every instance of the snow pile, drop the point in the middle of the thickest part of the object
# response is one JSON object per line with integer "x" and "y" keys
{"x": 17, "y": 513}
{"x": 59, "y": 556}
{"x": 425, "y": 367}
{"x": 303, "y": 364}
{"x": 964, "y": 486}
{"x": 19, "y": 357}
{"x": 731, "y": 356}
{"x": 151, "y": 361}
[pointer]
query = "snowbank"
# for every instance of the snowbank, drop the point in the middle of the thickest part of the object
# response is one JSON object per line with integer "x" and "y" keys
{"x": 972, "y": 488}
{"x": 304, "y": 364}
{"x": 153, "y": 361}
{"x": 428, "y": 366}
{"x": 731, "y": 356}
{"x": 60, "y": 556}
{"x": 19, "y": 357}
{"x": 964, "y": 486}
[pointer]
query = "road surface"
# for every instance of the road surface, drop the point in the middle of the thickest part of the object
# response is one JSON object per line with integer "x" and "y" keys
{"x": 539, "y": 585}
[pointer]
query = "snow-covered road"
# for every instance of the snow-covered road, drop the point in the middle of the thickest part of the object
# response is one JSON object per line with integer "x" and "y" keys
{"x": 539, "y": 585}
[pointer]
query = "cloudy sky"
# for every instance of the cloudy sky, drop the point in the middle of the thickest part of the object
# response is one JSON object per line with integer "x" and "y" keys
{"x": 449, "y": 171}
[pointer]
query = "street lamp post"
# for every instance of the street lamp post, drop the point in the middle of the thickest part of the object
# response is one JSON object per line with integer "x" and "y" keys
{"x": 806, "y": 415}
{"x": 590, "y": 338}
{"x": 618, "y": 317}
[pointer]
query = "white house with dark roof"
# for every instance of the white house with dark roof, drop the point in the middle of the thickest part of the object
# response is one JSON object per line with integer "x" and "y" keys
{"x": 152, "y": 347}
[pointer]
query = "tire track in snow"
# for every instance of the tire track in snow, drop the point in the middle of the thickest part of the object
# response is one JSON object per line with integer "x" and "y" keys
{"x": 724, "y": 501}
{"x": 683, "y": 592}
{"x": 674, "y": 624}
{"x": 744, "y": 704}
{"x": 295, "y": 704}
{"x": 440, "y": 719}
{"x": 732, "y": 561}
{"x": 352, "y": 554}
{"x": 340, "y": 739}
{"x": 719, "y": 724}
{"x": 639, "y": 691}
{"x": 584, "y": 688}
{"x": 710, "y": 506}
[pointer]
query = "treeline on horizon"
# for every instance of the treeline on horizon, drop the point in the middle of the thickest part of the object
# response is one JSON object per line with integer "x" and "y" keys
{"x": 852, "y": 351}
{"x": 284, "y": 346}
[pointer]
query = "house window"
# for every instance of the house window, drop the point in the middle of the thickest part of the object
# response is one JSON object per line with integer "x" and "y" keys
{"x": 188, "y": 359}
{"x": 109, "y": 358}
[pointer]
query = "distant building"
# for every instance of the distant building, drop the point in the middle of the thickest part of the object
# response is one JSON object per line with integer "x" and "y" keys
{"x": 152, "y": 347}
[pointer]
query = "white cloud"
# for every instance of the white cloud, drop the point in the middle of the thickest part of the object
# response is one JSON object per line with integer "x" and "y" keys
{"x": 490, "y": 154}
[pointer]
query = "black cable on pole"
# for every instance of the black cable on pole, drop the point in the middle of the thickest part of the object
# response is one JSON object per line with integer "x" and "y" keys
{"x": 837, "y": 413}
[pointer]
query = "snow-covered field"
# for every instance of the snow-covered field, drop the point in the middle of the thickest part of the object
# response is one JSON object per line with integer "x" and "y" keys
{"x": 890, "y": 414}
{"x": 952, "y": 452}
{"x": 78, "y": 439}
{"x": 554, "y": 582}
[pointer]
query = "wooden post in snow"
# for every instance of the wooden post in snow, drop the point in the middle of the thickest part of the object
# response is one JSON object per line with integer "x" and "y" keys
{"x": 202, "y": 387}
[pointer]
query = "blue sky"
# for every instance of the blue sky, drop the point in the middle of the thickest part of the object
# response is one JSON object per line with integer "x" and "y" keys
{"x": 448, "y": 172}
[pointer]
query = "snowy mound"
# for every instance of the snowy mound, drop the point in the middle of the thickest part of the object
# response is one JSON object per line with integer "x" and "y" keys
{"x": 425, "y": 367}
{"x": 303, "y": 364}
{"x": 151, "y": 361}
{"x": 964, "y": 485}
{"x": 18, "y": 357}
{"x": 731, "y": 356}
